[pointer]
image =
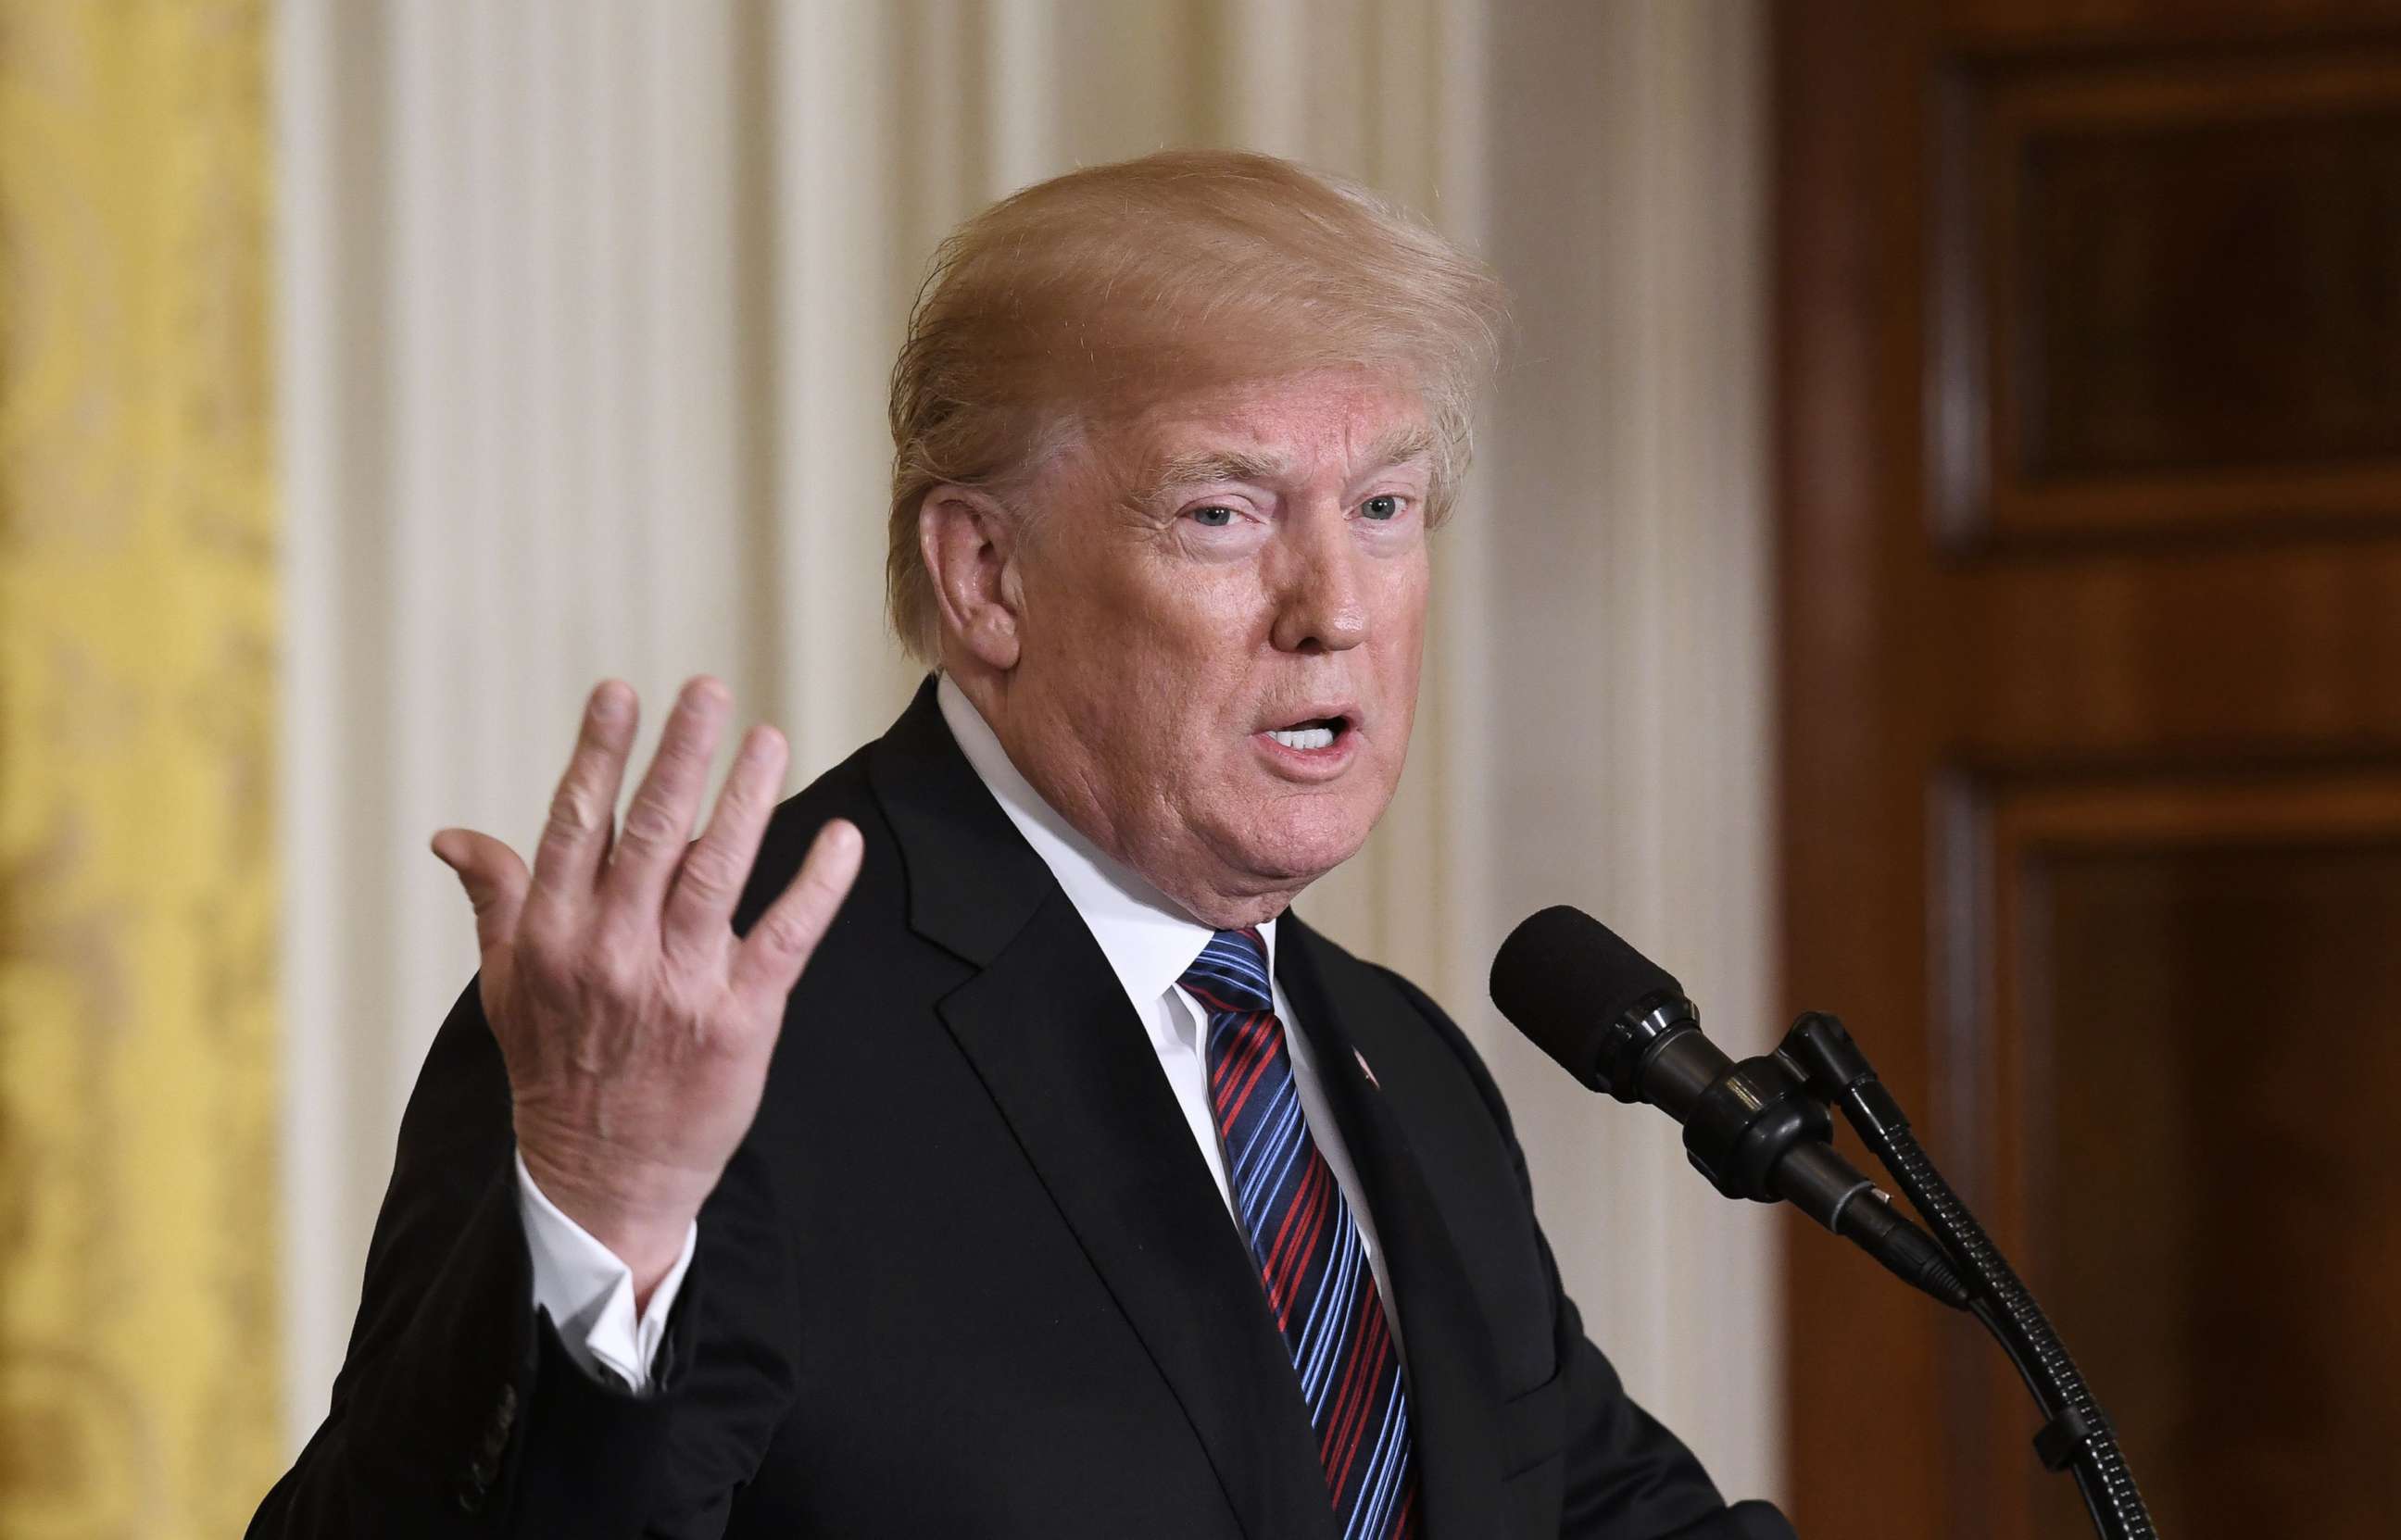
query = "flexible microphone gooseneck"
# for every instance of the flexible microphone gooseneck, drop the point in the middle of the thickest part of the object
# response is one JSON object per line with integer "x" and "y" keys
{"x": 1758, "y": 1129}
{"x": 1621, "y": 1024}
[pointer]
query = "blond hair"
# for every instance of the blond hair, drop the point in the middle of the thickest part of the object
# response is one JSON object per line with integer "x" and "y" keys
{"x": 1093, "y": 294}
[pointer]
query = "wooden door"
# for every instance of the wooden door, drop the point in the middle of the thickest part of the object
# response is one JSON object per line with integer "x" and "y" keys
{"x": 2088, "y": 359}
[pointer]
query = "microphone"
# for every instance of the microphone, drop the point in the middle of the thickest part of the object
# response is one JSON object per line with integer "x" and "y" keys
{"x": 1621, "y": 1024}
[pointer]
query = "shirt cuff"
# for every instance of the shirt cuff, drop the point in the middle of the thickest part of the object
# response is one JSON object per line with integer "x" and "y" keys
{"x": 589, "y": 1291}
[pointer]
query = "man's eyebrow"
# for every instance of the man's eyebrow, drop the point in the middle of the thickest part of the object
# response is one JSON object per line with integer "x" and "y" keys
{"x": 1400, "y": 446}
{"x": 1201, "y": 466}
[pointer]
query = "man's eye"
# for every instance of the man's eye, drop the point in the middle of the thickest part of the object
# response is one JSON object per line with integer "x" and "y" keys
{"x": 1216, "y": 518}
{"x": 1386, "y": 507}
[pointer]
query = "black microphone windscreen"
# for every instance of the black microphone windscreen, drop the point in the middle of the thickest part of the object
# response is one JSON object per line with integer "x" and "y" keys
{"x": 1563, "y": 976}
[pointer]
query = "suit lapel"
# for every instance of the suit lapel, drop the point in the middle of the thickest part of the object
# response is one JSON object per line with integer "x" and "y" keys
{"x": 1454, "y": 1389}
{"x": 1065, "y": 1061}
{"x": 1059, "y": 1048}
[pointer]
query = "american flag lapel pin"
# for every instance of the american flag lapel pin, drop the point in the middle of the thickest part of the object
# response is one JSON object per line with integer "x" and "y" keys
{"x": 1364, "y": 1070}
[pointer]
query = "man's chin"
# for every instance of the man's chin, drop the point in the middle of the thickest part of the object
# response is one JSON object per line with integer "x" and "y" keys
{"x": 1289, "y": 855}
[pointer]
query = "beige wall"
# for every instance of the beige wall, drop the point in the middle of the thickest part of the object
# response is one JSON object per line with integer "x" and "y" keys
{"x": 587, "y": 313}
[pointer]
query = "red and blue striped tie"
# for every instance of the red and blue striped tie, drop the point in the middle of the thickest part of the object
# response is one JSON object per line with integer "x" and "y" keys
{"x": 1309, "y": 1255}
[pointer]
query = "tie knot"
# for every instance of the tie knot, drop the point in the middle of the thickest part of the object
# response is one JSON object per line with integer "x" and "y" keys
{"x": 1231, "y": 972}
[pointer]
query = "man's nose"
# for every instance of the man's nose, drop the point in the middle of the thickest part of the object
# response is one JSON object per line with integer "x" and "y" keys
{"x": 1320, "y": 599}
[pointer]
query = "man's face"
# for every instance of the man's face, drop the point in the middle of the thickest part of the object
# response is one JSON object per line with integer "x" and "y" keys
{"x": 1223, "y": 611}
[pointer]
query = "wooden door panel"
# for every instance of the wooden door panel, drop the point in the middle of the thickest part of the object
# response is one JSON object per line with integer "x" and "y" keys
{"x": 2046, "y": 26}
{"x": 2088, "y": 362}
{"x": 2172, "y": 1000}
{"x": 2212, "y": 648}
{"x": 2168, "y": 293}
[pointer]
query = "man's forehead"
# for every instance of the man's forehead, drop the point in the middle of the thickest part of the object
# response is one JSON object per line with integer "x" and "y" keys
{"x": 1353, "y": 433}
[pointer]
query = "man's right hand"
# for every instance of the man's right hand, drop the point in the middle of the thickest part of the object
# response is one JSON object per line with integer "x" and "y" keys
{"x": 635, "y": 1024}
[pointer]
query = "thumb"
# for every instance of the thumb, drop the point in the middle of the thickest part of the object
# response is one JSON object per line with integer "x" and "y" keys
{"x": 495, "y": 880}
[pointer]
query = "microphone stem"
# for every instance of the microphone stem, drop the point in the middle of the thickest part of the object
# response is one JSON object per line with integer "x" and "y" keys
{"x": 2079, "y": 1437}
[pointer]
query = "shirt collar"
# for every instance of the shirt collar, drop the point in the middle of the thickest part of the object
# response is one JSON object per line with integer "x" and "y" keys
{"x": 1147, "y": 939}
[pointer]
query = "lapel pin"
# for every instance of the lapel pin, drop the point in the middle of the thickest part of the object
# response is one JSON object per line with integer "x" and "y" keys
{"x": 1364, "y": 1070}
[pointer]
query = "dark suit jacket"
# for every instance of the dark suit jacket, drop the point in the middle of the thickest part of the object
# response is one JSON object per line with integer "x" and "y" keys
{"x": 969, "y": 1275}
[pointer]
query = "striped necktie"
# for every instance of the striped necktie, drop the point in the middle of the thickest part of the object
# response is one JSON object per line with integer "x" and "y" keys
{"x": 1309, "y": 1257}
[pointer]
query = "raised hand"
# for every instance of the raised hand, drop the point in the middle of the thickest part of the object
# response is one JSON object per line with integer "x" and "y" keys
{"x": 635, "y": 1024}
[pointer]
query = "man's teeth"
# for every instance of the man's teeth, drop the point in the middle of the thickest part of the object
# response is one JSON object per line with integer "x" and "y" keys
{"x": 1303, "y": 738}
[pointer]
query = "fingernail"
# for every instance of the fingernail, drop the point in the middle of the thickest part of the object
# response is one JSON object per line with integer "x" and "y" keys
{"x": 608, "y": 700}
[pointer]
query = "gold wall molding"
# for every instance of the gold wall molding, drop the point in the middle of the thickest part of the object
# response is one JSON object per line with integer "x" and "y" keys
{"x": 138, "y": 1111}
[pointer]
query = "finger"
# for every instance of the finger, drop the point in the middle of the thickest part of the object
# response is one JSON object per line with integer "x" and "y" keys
{"x": 575, "y": 841}
{"x": 495, "y": 880}
{"x": 700, "y": 905}
{"x": 772, "y": 956}
{"x": 659, "y": 819}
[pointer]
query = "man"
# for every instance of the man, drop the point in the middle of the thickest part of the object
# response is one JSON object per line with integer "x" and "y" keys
{"x": 1076, "y": 1187}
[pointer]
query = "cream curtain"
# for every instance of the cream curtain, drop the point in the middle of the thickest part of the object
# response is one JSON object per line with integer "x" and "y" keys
{"x": 588, "y": 308}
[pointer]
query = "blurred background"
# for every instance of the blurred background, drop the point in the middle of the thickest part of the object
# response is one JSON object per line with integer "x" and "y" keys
{"x": 1934, "y": 555}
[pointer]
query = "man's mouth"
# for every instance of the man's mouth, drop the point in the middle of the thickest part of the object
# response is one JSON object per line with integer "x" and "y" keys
{"x": 1316, "y": 733}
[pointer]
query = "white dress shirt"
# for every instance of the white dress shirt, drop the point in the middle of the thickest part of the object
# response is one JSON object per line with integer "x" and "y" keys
{"x": 1149, "y": 942}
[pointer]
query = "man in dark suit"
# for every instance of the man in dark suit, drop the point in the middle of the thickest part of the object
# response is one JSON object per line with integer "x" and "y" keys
{"x": 1013, "y": 1162}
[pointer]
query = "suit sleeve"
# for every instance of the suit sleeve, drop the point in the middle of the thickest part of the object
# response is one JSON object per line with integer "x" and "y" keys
{"x": 458, "y": 1411}
{"x": 1627, "y": 1476}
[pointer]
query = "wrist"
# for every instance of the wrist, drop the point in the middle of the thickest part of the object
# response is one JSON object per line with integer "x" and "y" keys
{"x": 645, "y": 1231}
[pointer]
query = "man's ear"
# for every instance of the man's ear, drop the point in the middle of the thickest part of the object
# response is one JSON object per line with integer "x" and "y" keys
{"x": 969, "y": 543}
